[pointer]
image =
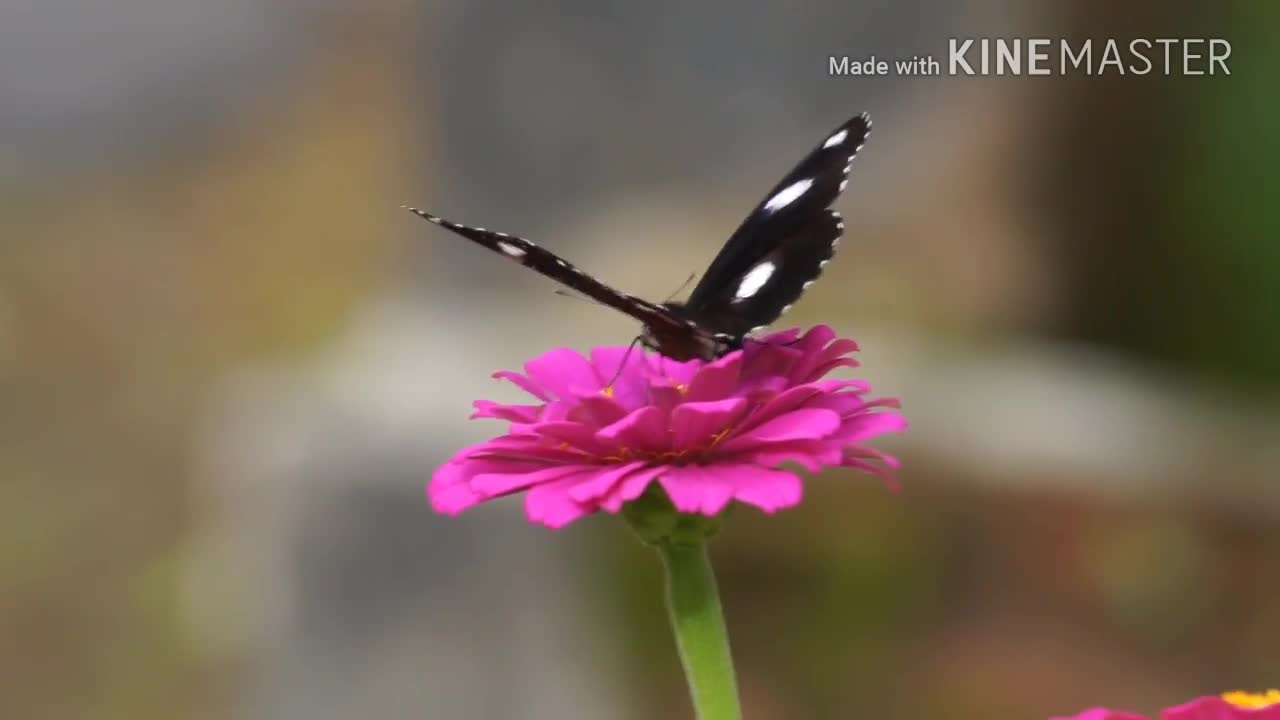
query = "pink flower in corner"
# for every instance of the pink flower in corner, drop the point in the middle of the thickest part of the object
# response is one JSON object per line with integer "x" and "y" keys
{"x": 709, "y": 433}
{"x": 1227, "y": 706}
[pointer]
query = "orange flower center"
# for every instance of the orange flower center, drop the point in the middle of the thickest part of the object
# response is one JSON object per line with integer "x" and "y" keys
{"x": 1252, "y": 701}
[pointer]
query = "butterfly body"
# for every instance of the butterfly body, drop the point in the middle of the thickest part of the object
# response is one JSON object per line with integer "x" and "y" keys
{"x": 685, "y": 339}
{"x": 777, "y": 252}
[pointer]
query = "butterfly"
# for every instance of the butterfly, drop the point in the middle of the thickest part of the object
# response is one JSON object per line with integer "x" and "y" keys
{"x": 777, "y": 252}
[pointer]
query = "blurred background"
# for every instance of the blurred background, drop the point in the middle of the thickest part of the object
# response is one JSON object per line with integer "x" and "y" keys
{"x": 230, "y": 362}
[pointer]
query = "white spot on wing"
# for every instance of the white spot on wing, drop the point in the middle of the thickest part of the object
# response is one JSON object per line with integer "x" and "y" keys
{"x": 754, "y": 280}
{"x": 511, "y": 250}
{"x": 836, "y": 139}
{"x": 788, "y": 195}
{"x": 844, "y": 184}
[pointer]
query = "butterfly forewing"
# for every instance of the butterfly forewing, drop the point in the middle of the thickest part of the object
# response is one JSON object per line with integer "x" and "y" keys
{"x": 776, "y": 280}
{"x": 782, "y": 244}
{"x": 562, "y": 271}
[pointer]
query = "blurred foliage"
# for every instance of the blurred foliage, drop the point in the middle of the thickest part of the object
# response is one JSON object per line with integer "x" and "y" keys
{"x": 1172, "y": 225}
{"x": 961, "y": 604}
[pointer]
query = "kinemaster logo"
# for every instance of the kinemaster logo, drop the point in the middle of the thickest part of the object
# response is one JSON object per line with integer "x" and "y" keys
{"x": 1017, "y": 57}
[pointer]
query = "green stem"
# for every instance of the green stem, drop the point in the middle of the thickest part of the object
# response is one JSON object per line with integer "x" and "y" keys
{"x": 698, "y": 622}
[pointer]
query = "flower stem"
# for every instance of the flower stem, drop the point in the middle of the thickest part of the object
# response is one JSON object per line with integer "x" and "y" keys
{"x": 698, "y": 622}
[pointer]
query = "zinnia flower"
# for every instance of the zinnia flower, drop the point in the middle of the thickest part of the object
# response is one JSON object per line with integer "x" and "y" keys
{"x": 708, "y": 433}
{"x": 1235, "y": 705}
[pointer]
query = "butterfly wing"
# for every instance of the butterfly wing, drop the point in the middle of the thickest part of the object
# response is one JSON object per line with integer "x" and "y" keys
{"x": 781, "y": 246}
{"x": 549, "y": 264}
{"x": 776, "y": 280}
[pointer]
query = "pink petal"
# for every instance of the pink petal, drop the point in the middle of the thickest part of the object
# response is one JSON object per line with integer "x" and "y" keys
{"x": 1214, "y": 707}
{"x": 551, "y": 505}
{"x": 526, "y": 454}
{"x": 861, "y": 428}
{"x": 805, "y": 454}
{"x": 598, "y": 484}
{"x": 523, "y": 383}
{"x": 673, "y": 372}
{"x": 825, "y": 368}
{"x": 812, "y": 348}
{"x": 577, "y": 435}
{"x": 450, "y": 490}
{"x": 665, "y": 397}
{"x": 607, "y": 360}
{"x": 562, "y": 372}
{"x": 597, "y": 410}
{"x": 513, "y": 413}
{"x": 786, "y": 401}
{"x": 695, "y": 489}
{"x": 769, "y": 490}
{"x": 694, "y": 424}
{"x": 885, "y": 474}
{"x": 716, "y": 381}
{"x": 631, "y": 488}
{"x": 644, "y": 429}
{"x": 764, "y": 359}
{"x": 1102, "y": 714}
{"x": 803, "y": 424}
{"x": 630, "y": 386}
{"x": 496, "y": 484}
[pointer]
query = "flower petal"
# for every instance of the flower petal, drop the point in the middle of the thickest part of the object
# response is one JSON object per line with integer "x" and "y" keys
{"x": 644, "y": 429}
{"x": 577, "y": 435}
{"x": 695, "y": 489}
{"x": 1214, "y": 707}
{"x": 630, "y": 488}
{"x": 860, "y": 428}
{"x": 523, "y": 383}
{"x": 673, "y": 372}
{"x": 696, "y": 424}
{"x": 598, "y": 484}
{"x": 716, "y": 381}
{"x": 1102, "y": 714}
{"x": 499, "y": 411}
{"x": 497, "y": 484}
{"x": 803, "y": 424}
{"x": 563, "y": 371}
{"x": 769, "y": 490}
{"x": 450, "y": 490}
{"x": 597, "y": 410}
{"x": 550, "y": 504}
{"x": 812, "y": 456}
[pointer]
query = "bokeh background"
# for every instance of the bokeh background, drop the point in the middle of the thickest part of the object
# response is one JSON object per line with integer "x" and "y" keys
{"x": 229, "y": 361}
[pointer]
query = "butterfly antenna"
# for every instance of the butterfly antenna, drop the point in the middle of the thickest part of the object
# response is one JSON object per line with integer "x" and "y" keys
{"x": 625, "y": 356}
{"x": 565, "y": 293}
{"x": 683, "y": 285}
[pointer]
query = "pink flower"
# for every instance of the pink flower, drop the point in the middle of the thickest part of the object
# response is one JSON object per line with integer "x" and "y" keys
{"x": 709, "y": 433}
{"x": 1228, "y": 706}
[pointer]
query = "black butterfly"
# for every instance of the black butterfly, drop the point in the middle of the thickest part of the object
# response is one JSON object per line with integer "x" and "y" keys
{"x": 777, "y": 252}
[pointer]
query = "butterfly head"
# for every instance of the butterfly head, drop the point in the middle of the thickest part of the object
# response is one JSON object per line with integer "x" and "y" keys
{"x": 681, "y": 338}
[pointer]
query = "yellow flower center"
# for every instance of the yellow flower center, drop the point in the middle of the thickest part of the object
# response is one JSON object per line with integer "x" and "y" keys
{"x": 607, "y": 392}
{"x": 1252, "y": 701}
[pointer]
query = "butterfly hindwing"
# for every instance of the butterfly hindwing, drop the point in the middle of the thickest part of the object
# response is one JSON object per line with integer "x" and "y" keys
{"x": 783, "y": 243}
